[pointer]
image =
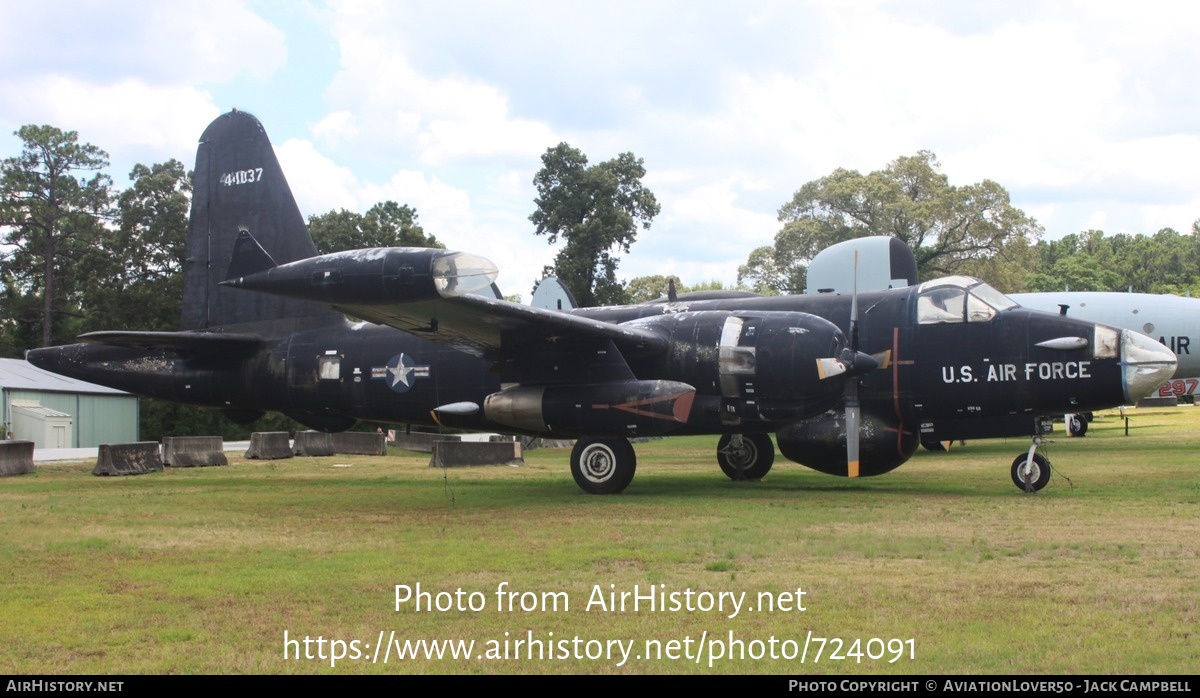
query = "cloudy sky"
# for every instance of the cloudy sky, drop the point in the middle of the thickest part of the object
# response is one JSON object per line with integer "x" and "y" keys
{"x": 1087, "y": 112}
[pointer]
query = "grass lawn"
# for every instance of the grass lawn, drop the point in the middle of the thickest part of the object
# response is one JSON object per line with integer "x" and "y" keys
{"x": 942, "y": 566}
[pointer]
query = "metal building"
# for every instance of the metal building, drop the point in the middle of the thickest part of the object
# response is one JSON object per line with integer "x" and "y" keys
{"x": 98, "y": 415}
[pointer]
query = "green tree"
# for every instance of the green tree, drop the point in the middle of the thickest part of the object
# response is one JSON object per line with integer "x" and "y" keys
{"x": 649, "y": 288}
{"x": 1075, "y": 273}
{"x": 772, "y": 270}
{"x": 138, "y": 282}
{"x": 386, "y": 224}
{"x": 596, "y": 210}
{"x": 54, "y": 201}
{"x": 950, "y": 229}
{"x": 1166, "y": 262}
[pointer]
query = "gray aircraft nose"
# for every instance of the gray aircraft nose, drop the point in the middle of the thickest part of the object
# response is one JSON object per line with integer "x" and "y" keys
{"x": 1146, "y": 364}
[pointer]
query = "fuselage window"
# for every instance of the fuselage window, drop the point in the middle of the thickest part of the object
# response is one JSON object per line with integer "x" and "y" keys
{"x": 940, "y": 305}
{"x": 329, "y": 368}
{"x": 977, "y": 310}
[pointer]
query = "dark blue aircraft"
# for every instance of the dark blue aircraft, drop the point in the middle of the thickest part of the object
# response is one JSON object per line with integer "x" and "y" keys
{"x": 263, "y": 329}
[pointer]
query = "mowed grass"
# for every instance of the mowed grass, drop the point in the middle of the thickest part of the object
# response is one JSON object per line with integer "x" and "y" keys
{"x": 206, "y": 569}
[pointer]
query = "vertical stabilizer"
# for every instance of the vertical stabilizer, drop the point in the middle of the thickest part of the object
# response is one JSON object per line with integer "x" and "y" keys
{"x": 239, "y": 186}
{"x": 879, "y": 262}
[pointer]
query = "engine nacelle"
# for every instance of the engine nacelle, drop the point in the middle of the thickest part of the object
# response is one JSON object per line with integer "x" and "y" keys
{"x": 772, "y": 366}
{"x": 626, "y": 408}
{"x": 820, "y": 443}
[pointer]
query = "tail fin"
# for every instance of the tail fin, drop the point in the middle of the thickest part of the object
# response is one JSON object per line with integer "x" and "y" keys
{"x": 239, "y": 186}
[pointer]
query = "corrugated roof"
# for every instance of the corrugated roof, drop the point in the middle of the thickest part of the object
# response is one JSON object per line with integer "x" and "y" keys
{"x": 18, "y": 374}
{"x": 38, "y": 409}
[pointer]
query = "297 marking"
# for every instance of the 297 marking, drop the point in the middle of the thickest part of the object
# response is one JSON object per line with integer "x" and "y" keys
{"x": 1179, "y": 387}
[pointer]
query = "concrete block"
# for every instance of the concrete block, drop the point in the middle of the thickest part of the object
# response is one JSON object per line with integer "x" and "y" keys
{"x": 420, "y": 441}
{"x": 313, "y": 443}
{"x": 269, "y": 445}
{"x": 128, "y": 459}
{"x": 358, "y": 443}
{"x": 191, "y": 451}
{"x": 16, "y": 457}
{"x": 452, "y": 454}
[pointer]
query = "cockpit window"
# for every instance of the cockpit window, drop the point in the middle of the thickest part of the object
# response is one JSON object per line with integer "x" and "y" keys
{"x": 959, "y": 299}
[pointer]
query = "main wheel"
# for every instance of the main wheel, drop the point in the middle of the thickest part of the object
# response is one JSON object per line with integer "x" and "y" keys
{"x": 603, "y": 466}
{"x": 1077, "y": 425}
{"x": 749, "y": 460}
{"x": 1039, "y": 472}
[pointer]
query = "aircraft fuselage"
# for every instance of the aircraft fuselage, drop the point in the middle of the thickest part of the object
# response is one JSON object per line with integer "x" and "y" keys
{"x": 965, "y": 372}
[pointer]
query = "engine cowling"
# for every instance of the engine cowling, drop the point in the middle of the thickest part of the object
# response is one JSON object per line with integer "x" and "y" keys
{"x": 765, "y": 366}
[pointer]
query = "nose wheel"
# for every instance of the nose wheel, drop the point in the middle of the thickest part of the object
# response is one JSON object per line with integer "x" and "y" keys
{"x": 1031, "y": 470}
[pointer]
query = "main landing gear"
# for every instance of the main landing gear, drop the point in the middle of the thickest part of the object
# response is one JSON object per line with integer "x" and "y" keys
{"x": 603, "y": 466}
{"x": 1031, "y": 471}
{"x": 745, "y": 456}
{"x": 607, "y": 466}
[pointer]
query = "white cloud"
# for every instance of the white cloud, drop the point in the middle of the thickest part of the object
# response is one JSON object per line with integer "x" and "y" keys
{"x": 161, "y": 43}
{"x": 336, "y": 127}
{"x": 1084, "y": 111}
{"x": 132, "y": 78}
{"x": 319, "y": 184}
{"x": 438, "y": 119}
{"x": 133, "y": 121}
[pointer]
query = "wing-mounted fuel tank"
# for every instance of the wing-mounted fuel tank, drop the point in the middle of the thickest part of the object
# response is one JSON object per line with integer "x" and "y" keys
{"x": 369, "y": 277}
{"x": 757, "y": 366}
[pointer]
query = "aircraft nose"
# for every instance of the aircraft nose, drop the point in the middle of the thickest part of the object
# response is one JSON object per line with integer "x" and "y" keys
{"x": 1145, "y": 363}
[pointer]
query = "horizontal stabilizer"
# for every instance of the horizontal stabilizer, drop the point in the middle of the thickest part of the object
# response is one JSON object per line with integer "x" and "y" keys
{"x": 177, "y": 340}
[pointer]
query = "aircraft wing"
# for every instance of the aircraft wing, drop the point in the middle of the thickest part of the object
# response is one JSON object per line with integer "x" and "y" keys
{"x": 492, "y": 328}
{"x": 434, "y": 294}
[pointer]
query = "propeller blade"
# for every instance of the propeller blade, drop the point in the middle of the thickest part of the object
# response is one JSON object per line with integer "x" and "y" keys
{"x": 850, "y": 363}
{"x": 853, "y": 421}
{"x": 861, "y": 364}
{"x": 828, "y": 368}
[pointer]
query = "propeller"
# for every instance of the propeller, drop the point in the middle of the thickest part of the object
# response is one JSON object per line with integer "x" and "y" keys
{"x": 851, "y": 364}
{"x": 853, "y": 413}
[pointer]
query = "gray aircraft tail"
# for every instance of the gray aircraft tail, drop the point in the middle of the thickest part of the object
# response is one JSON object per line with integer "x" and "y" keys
{"x": 240, "y": 188}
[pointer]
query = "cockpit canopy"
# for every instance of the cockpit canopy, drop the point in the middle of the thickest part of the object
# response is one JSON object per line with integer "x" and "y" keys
{"x": 959, "y": 299}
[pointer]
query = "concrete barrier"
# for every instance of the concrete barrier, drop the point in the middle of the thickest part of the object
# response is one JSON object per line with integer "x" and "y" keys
{"x": 358, "y": 443}
{"x": 1153, "y": 400}
{"x": 535, "y": 443}
{"x": 453, "y": 454}
{"x": 420, "y": 441}
{"x": 128, "y": 459}
{"x": 191, "y": 451}
{"x": 313, "y": 443}
{"x": 269, "y": 445}
{"x": 16, "y": 457}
